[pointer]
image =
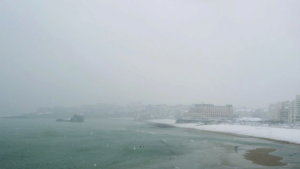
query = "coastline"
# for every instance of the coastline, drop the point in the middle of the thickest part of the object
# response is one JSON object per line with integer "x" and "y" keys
{"x": 274, "y": 134}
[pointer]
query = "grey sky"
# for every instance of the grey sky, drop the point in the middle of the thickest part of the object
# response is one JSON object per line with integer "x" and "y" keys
{"x": 54, "y": 52}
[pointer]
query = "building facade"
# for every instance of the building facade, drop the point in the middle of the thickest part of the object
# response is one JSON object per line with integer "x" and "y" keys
{"x": 274, "y": 111}
{"x": 294, "y": 111}
{"x": 279, "y": 111}
{"x": 284, "y": 112}
{"x": 210, "y": 111}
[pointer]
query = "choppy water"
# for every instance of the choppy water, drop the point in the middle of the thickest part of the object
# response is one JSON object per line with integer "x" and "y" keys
{"x": 115, "y": 144}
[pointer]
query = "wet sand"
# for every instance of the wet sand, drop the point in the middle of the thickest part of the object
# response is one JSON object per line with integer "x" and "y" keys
{"x": 261, "y": 156}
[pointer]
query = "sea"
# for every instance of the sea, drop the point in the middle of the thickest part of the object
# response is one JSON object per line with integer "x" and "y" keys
{"x": 130, "y": 144}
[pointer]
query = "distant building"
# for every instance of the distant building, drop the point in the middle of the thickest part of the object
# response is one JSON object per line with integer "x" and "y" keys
{"x": 274, "y": 111}
{"x": 260, "y": 112}
{"x": 284, "y": 112}
{"x": 209, "y": 110}
{"x": 242, "y": 112}
{"x": 294, "y": 111}
{"x": 291, "y": 112}
{"x": 279, "y": 111}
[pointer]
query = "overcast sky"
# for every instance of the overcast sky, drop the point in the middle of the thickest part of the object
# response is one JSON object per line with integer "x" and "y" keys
{"x": 76, "y": 52}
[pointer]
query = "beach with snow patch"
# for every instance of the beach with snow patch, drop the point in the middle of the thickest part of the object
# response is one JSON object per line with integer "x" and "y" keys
{"x": 280, "y": 134}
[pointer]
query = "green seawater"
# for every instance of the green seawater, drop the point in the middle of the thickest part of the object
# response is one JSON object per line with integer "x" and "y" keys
{"x": 124, "y": 144}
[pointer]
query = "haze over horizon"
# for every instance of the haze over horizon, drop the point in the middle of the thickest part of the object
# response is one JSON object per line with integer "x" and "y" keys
{"x": 68, "y": 53}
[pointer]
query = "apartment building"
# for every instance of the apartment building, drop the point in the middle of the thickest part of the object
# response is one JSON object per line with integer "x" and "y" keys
{"x": 210, "y": 111}
{"x": 294, "y": 111}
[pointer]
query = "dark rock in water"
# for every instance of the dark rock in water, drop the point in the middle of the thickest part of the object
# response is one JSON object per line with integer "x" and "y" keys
{"x": 77, "y": 118}
{"x": 60, "y": 119}
{"x": 163, "y": 125}
{"x": 74, "y": 118}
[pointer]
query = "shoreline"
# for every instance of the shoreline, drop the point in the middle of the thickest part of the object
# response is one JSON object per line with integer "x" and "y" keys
{"x": 269, "y": 133}
{"x": 240, "y": 135}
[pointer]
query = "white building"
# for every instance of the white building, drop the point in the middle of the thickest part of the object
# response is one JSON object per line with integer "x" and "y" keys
{"x": 210, "y": 110}
{"x": 274, "y": 111}
{"x": 294, "y": 111}
{"x": 279, "y": 111}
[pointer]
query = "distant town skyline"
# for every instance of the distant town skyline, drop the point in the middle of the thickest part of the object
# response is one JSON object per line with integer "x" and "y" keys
{"x": 72, "y": 53}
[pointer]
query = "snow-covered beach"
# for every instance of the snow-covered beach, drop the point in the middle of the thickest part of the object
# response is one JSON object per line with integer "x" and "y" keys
{"x": 280, "y": 134}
